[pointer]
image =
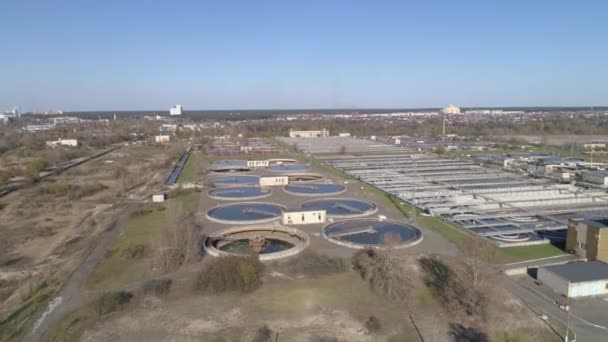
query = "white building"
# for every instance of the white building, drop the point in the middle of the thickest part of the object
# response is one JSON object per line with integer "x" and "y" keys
{"x": 344, "y": 134}
{"x": 451, "y": 109}
{"x": 62, "y": 142}
{"x": 577, "y": 279}
{"x": 258, "y": 163}
{"x": 299, "y": 216}
{"x": 594, "y": 146}
{"x": 176, "y": 110}
{"x": 159, "y": 198}
{"x": 308, "y": 134}
{"x": 274, "y": 180}
{"x": 162, "y": 138}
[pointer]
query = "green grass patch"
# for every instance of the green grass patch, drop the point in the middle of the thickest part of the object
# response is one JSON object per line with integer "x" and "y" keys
{"x": 344, "y": 290}
{"x": 71, "y": 327}
{"x": 191, "y": 170}
{"x": 19, "y": 322}
{"x": 129, "y": 260}
{"x": 121, "y": 267}
{"x": 523, "y": 253}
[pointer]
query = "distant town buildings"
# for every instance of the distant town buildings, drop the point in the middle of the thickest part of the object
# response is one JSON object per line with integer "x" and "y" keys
{"x": 492, "y": 112}
{"x": 308, "y": 134}
{"x": 62, "y": 142}
{"x": 451, "y": 109}
{"x": 7, "y": 116}
{"x": 175, "y": 110}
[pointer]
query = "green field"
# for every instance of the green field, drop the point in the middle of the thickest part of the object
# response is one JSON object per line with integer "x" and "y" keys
{"x": 191, "y": 170}
{"x": 129, "y": 261}
{"x": 516, "y": 254}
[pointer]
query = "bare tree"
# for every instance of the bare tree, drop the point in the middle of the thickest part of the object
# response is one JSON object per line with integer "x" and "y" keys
{"x": 385, "y": 272}
{"x": 178, "y": 243}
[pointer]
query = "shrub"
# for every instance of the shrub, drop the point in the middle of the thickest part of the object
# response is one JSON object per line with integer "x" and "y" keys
{"x": 324, "y": 339}
{"x": 159, "y": 287}
{"x": 57, "y": 188}
{"x": 231, "y": 273}
{"x": 135, "y": 251}
{"x": 452, "y": 290}
{"x": 264, "y": 334}
{"x": 85, "y": 190}
{"x": 373, "y": 325}
{"x": 385, "y": 274}
{"x": 111, "y": 302}
{"x": 312, "y": 264}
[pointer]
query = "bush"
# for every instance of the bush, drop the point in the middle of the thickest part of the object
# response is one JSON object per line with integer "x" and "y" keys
{"x": 373, "y": 325}
{"x": 324, "y": 339}
{"x": 111, "y": 302}
{"x": 231, "y": 273}
{"x": 312, "y": 264}
{"x": 159, "y": 287}
{"x": 264, "y": 334}
{"x": 452, "y": 290}
{"x": 135, "y": 251}
{"x": 85, "y": 190}
{"x": 57, "y": 188}
{"x": 385, "y": 273}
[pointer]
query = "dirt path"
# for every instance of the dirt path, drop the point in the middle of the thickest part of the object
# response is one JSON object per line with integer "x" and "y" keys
{"x": 71, "y": 296}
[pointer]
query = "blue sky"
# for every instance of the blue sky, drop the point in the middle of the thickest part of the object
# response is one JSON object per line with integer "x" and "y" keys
{"x": 112, "y": 55}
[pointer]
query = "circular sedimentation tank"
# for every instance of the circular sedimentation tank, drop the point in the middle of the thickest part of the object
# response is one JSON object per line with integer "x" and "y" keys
{"x": 314, "y": 189}
{"x": 245, "y": 213}
{"x": 287, "y": 167}
{"x": 234, "y": 180}
{"x": 229, "y": 166}
{"x": 269, "y": 242}
{"x": 239, "y": 193}
{"x": 366, "y": 233}
{"x": 341, "y": 207}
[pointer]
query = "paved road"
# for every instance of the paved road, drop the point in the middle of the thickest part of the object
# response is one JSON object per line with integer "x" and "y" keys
{"x": 585, "y": 331}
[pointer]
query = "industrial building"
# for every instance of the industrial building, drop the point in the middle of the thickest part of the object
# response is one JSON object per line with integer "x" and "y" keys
{"x": 176, "y": 110}
{"x": 336, "y": 145}
{"x": 308, "y": 134}
{"x": 595, "y": 177}
{"x": 510, "y": 209}
{"x": 588, "y": 238}
{"x": 575, "y": 280}
{"x": 62, "y": 142}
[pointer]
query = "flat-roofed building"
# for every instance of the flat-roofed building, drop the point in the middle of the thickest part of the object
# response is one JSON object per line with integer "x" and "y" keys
{"x": 577, "y": 279}
{"x": 588, "y": 238}
{"x": 258, "y": 163}
{"x": 162, "y": 138}
{"x": 300, "y": 216}
{"x": 62, "y": 142}
{"x": 274, "y": 181}
{"x": 308, "y": 134}
{"x": 595, "y": 177}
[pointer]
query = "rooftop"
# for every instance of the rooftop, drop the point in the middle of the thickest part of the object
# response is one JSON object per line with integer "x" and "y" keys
{"x": 577, "y": 272}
